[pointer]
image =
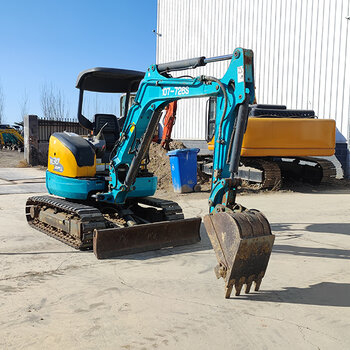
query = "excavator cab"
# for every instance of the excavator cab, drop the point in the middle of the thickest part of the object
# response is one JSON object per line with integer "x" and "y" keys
{"x": 111, "y": 81}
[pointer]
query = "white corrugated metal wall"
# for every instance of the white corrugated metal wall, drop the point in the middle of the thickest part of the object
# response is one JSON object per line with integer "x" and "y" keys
{"x": 302, "y": 52}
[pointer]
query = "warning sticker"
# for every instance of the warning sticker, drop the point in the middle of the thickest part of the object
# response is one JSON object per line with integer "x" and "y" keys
{"x": 240, "y": 74}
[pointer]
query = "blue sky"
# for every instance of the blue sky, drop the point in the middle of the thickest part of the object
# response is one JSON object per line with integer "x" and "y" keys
{"x": 48, "y": 42}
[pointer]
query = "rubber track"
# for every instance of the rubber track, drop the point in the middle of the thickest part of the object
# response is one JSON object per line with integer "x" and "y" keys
{"x": 329, "y": 171}
{"x": 271, "y": 172}
{"x": 89, "y": 214}
{"x": 85, "y": 213}
{"x": 171, "y": 210}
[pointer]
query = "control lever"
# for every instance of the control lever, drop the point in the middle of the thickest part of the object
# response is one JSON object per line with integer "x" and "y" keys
{"x": 99, "y": 136}
{"x": 98, "y": 142}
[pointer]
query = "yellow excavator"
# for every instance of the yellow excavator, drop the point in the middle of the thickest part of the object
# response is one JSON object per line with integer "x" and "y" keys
{"x": 284, "y": 143}
{"x": 10, "y": 138}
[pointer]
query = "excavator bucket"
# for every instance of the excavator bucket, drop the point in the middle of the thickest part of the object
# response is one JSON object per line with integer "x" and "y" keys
{"x": 242, "y": 243}
{"x": 114, "y": 242}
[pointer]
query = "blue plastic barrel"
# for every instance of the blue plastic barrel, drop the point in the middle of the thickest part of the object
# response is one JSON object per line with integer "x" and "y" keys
{"x": 183, "y": 165}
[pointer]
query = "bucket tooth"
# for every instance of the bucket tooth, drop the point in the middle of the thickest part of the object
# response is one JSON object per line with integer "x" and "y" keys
{"x": 239, "y": 285}
{"x": 228, "y": 291}
{"x": 247, "y": 288}
{"x": 249, "y": 284}
{"x": 257, "y": 285}
{"x": 242, "y": 243}
{"x": 258, "y": 281}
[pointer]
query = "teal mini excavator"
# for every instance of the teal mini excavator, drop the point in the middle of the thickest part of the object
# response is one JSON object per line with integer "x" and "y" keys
{"x": 112, "y": 209}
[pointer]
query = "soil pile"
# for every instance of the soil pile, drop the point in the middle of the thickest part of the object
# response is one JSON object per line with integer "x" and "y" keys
{"x": 203, "y": 179}
{"x": 159, "y": 165}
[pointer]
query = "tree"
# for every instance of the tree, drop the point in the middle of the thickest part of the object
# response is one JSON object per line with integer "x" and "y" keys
{"x": 2, "y": 103}
{"x": 53, "y": 103}
{"x": 23, "y": 104}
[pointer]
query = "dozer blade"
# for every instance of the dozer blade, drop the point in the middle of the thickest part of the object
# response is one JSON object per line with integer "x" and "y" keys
{"x": 113, "y": 242}
{"x": 242, "y": 243}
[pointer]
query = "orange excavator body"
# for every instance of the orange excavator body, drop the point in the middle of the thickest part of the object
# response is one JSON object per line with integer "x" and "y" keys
{"x": 169, "y": 121}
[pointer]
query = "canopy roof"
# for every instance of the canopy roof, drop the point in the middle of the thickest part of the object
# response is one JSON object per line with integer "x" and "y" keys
{"x": 101, "y": 79}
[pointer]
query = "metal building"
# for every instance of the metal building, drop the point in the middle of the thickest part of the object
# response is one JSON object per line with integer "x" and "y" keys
{"x": 302, "y": 52}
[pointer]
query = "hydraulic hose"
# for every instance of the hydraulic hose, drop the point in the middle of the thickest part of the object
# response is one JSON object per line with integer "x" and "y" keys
{"x": 143, "y": 147}
{"x": 215, "y": 80}
{"x": 242, "y": 118}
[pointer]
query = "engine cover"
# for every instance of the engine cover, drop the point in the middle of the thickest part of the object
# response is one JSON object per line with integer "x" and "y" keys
{"x": 71, "y": 155}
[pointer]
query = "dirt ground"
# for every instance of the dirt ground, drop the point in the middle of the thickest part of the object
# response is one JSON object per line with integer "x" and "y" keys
{"x": 54, "y": 297}
{"x": 11, "y": 159}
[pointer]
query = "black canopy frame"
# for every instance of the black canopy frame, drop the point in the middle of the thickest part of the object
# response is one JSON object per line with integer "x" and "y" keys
{"x": 110, "y": 80}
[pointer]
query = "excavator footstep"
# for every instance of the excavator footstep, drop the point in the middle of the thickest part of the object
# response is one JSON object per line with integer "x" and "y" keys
{"x": 242, "y": 243}
{"x": 114, "y": 242}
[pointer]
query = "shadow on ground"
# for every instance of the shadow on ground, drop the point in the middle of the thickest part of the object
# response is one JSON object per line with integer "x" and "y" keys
{"x": 43, "y": 253}
{"x": 337, "y": 228}
{"x": 313, "y": 252}
{"x": 204, "y": 244}
{"x": 335, "y": 186}
{"x": 324, "y": 294}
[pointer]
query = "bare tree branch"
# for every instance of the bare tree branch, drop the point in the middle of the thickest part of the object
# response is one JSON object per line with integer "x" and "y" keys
{"x": 23, "y": 104}
{"x": 2, "y": 104}
{"x": 53, "y": 103}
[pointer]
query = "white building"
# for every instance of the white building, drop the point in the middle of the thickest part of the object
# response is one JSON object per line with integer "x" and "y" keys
{"x": 302, "y": 52}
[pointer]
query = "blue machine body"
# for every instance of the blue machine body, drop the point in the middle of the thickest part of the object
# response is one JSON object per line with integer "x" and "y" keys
{"x": 74, "y": 188}
{"x": 156, "y": 91}
{"x": 83, "y": 188}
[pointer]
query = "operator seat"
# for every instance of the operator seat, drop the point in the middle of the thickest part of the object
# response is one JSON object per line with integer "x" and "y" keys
{"x": 110, "y": 132}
